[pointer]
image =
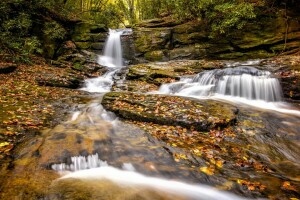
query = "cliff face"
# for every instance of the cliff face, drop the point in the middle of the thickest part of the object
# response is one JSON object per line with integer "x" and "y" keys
{"x": 162, "y": 39}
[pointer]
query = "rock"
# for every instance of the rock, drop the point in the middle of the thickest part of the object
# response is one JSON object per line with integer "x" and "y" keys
{"x": 7, "y": 68}
{"x": 147, "y": 39}
{"x": 103, "y": 189}
{"x": 160, "y": 109}
{"x": 83, "y": 45}
{"x": 68, "y": 47}
{"x": 86, "y": 27}
{"x": 99, "y": 37}
{"x": 159, "y": 22}
{"x": 188, "y": 52}
{"x": 155, "y": 56}
{"x": 97, "y": 46}
{"x": 291, "y": 86}
{"x": 287, "y": 69}
{"x": 191, "y": 40}
{"x": 83, "y": 63}
{"x": 158, "y": 73}
{"x": 85, "y": 34}
{"x": 73, "y": 140}
{"x": 67, "y": 79}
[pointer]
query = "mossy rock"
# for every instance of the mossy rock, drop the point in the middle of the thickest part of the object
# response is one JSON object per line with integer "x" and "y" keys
{"x": 84, "y": 45}
{"x": 88, "y": 27}
{"x": 190, "y": 113}
{"x": 171, "y": 70}
{"x": 99, "y": 37}
{"x": 159, "y": 22}
{"x": 189, "y": 27}
{"x": 155, "y": 56}
{"x": 85, "y": 37}
{"x": 97, "y": 46}
{"x": 151, "y": 39}
{"x": 189, "y": 38}
{"x": 98, "y": 28}
{"x": 188, "y": 52}
{"x": 78, "y": 66}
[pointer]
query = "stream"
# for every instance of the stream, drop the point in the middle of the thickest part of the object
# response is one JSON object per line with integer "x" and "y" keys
{"x": 94, "y": 154}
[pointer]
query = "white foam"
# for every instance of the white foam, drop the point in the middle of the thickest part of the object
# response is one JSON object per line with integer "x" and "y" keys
{"x": 130, "y": 178}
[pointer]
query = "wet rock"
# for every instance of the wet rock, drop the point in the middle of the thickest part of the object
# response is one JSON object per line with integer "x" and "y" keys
{"x": 78, "y": 139}
{"x": 8, "y": 68}
{"x": 287, "y": 69}
{"x": 158, "y": 73}
{"x": 82, "y": 62}
{"x": 160, "y": 109}
{"x": 106, "y": 190}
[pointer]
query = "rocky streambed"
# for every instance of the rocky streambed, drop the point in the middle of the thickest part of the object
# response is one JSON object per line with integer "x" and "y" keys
{"x": 233, "y": 147}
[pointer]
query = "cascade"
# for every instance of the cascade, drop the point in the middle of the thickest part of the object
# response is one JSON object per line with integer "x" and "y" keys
{"x": 244, "y": 82}
{"x": 112, "y": 58}
{"x": 91, "y": 168}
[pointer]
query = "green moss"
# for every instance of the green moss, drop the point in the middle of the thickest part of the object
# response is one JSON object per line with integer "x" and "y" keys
{"x": 78, "y": 66}
{"x": 154, "y": 55}
{"x": 83, "y": 45}
{"x": 81, "y": 37}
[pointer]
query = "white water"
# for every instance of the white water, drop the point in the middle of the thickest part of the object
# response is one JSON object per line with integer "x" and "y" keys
{"x": 101, "y": 83}
{"x": 92, "y": 168}
{"x": 112, "y": 59}
{"x": 243, "y": 84}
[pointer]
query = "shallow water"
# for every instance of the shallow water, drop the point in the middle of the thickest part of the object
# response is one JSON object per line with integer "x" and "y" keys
{"x": 95, "y": 155}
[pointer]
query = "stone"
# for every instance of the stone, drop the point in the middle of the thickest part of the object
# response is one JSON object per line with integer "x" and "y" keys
{"x": 155, "y": 56}
{"x": 83, "y": 45}
{"x": 201, "y": 115}
{"x": 151, "y": 39}
{"x": 67, "y": 80}
{"x": 99, "y": 37}
{"x": 262, "y": 39}
{"x": 97, "y": 46}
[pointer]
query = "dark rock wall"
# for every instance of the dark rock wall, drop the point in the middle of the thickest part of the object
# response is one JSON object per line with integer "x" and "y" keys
{"x": 263, "y": 38}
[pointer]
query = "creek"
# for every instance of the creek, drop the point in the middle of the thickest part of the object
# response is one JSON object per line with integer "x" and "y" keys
{"x": 94, "y": 154}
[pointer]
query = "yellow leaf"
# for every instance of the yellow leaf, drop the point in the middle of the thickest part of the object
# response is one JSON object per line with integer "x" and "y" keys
{"x": 207, "y": 170}
{"x": 3, "y": 144}
{"x": 219, "y": 164}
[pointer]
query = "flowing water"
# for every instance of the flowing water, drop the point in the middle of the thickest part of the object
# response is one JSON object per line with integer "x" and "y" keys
{"x": 239, "y": 83}
{"x": 112, "y": 59}
{"x": 95, "y": 155}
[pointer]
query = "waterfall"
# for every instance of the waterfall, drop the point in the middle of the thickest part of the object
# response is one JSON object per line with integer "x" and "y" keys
{"x": 244, "y": 82}
{"x": 112, "y": 59}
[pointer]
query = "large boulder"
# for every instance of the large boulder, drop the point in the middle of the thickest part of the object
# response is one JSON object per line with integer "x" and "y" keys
{"x": 171, "y": 110}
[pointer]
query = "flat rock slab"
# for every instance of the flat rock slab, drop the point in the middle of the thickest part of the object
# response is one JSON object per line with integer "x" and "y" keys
{"x": 201, "y": 115}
